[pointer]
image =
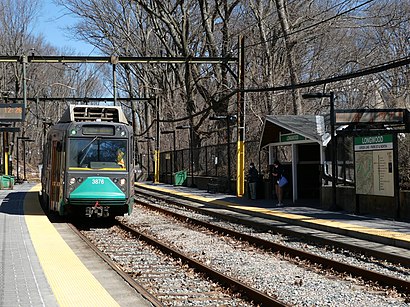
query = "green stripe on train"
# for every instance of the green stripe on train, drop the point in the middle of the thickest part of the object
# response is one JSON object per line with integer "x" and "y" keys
{"x": 97, "y": 188}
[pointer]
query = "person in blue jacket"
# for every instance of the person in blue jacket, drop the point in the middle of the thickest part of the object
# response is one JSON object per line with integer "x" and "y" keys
{"x": 278, "y": 172}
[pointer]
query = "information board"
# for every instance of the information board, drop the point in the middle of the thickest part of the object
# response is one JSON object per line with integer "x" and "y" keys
{"x": 374, "y": 165}
{"x": 11, "y": 112}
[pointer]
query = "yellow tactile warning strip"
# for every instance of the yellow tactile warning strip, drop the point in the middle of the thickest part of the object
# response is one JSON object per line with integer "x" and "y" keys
{"x": 350, "y": 227}
{"x": 71, "y": 282}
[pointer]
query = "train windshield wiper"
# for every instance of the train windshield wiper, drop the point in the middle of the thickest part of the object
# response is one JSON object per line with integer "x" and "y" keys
{"x": 87, "y": 148}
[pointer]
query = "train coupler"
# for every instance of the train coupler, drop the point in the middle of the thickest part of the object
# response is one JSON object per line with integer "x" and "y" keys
{"x": 97, "y": 210}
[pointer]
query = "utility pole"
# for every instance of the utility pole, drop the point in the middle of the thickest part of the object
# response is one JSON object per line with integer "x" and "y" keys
{"x": 240, "y": 177}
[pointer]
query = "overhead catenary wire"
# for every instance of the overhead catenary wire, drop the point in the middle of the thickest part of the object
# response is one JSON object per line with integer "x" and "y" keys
{"x": 359, "y": 73}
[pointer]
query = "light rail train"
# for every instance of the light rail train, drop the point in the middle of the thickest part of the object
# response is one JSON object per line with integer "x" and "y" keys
{"x": 88, "y": 163}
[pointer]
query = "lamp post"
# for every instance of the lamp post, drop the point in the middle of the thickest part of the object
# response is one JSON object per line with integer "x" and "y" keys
{"x": 173, "y": 161}
{"x": 140, "y": 141}
{"x": 331, "y": 96}
{"x": 6, "y": 150}
{"x": 191, "y": 152}
{"x": 229, "y": 119}
{"x": 24, "y": 156}
{"x": 46, "y": 124}
{"x": 149, "y": 139}
{"x": 23, "y": 138}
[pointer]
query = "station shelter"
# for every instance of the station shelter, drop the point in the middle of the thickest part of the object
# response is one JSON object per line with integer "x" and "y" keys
{"x": 303, "y": 140}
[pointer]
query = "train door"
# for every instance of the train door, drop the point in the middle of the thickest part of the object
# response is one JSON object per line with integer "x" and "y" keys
{"x": 56, "y": 182}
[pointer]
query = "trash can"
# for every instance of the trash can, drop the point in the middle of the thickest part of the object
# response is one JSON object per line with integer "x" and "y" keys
{"x": 6, "y": 182}
{"x": 180, "y": 177}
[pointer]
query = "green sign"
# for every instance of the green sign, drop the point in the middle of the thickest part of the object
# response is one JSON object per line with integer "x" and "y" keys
{"x": 291, "y": 137}
{"x": 374, "y": 142}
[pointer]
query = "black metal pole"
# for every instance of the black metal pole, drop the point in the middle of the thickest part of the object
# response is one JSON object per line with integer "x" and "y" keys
{"x": 228, "y": 132}
{"x": 396, "y": 177}
{"x": 174, "y": 164}
{"x": 24, "y": 161}
{"x": 148, "y": 160}
{"x": 114, "y": 82}
{"x": 17, "y": 173}
{"x": 192, "y": 155}
{"x": 334, "y": 158}
{"x": 157, "y": 140}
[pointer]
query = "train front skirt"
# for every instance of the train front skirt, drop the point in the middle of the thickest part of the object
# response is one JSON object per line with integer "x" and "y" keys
{"x": 98, "y": 196}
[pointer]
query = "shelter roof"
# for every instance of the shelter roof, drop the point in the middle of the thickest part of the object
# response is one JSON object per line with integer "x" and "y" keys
{"x": 312, "y": 127}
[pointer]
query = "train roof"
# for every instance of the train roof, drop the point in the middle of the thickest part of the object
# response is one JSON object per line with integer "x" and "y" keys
{"x": 90, "y": 113}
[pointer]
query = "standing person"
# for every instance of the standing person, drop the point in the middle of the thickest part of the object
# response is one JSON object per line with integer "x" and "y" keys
{"x": 252, "y": 179}
{"x": 278, "y": 172}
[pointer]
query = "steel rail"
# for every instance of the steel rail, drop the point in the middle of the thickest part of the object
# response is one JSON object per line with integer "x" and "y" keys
{"x": 381, "y": 279}
{"x": 141, "y": 290}
{"x": 249, "y": 293}
{"x": 397, "y": 259}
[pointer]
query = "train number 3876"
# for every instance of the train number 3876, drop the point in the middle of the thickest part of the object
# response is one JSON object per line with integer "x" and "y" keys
{"x": 97, "y": 181}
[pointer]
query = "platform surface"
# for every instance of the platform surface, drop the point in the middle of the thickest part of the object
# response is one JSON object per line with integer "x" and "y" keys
{"x": 44, "y": 264}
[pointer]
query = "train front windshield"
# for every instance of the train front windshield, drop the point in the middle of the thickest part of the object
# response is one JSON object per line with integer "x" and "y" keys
{"x": 97, "y": 153}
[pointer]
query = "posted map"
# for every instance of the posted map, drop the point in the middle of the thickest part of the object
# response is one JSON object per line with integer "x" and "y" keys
{"x": 364, "y": 172}
{"x": 374, "y": 172}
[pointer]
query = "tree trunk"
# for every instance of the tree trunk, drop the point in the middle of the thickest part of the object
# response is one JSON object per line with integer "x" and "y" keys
{"x": 283, "y": 19}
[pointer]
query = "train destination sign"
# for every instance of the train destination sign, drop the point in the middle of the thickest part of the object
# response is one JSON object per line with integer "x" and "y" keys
{"x": 11, "y": 112}
{"x": 374, "y": 165}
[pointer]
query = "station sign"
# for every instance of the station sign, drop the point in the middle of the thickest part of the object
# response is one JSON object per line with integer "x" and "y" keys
{"x": 375, "y": 142}
{"x": 291, "y": 137}
{"x": 11, "y": 112}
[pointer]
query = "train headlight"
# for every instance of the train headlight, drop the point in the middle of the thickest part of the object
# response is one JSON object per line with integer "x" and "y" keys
{"x": 123, "y": 181}
{"x": 74, "y": 180}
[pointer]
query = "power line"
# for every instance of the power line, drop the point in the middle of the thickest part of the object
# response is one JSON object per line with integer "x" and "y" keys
{"x": 357, "y": 74}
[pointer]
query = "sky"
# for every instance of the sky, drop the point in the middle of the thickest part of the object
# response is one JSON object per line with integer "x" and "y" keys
{"x": 51, "y": 21}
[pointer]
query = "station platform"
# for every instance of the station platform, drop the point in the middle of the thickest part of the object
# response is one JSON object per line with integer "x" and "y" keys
{"x": 45, "y": 264}
{"x": 383, "y": 231}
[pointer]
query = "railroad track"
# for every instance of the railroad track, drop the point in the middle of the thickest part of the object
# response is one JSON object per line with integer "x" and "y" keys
{"x": 145, "y": 264}
{"x": 284, "y": 228}
{"x": 378, "y": 278}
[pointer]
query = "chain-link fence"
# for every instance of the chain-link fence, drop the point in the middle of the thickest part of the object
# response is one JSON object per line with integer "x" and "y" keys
{"x": 213, "y": 161}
